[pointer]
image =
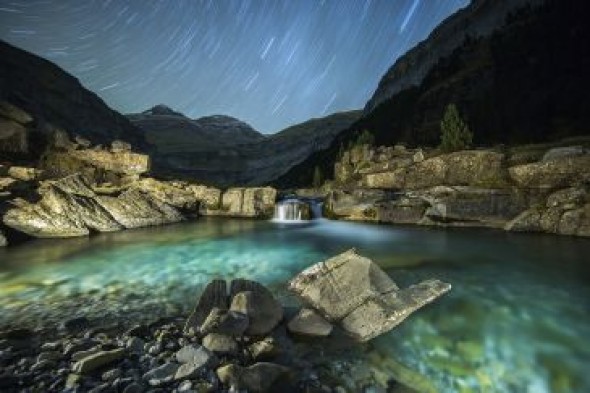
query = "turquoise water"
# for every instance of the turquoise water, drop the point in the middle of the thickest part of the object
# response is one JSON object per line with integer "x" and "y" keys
{"x": 516, "y": 320}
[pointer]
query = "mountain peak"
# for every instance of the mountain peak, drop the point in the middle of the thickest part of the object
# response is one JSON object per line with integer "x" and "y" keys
{"x": 162, "y": 110}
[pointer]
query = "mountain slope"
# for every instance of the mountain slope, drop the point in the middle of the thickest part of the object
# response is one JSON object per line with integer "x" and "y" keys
{"x": 224, "y": 151}
{"x": 526, "y": 82}
{"x": 36, "y": 96}
{"x": 172, "y": 132}
{"x": 479, "y": 19}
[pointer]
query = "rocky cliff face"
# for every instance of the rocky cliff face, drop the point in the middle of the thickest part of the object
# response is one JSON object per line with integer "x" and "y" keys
{"x": 224, "y": 151}
{"x": 536, "y": 188}
{"x": 37, "y": 97}
{"x": 478, "y": 19}
{"x": 522, "y": 83}
{"x": 79, "y": 190}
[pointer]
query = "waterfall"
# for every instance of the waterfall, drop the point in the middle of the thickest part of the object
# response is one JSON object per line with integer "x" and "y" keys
{"x": 295, "y": 210}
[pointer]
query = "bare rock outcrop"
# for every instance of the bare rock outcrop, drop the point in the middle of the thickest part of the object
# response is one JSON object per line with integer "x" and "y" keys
{"x": 539, "y": 188}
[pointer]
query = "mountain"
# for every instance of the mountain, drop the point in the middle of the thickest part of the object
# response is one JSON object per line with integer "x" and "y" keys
{"x": 36, "y": 96}
{"x": 172, "y": 132}
{"x": 479, "y": 19}
{"x": 525, "y": 82}
{"x": 223, "y": 151}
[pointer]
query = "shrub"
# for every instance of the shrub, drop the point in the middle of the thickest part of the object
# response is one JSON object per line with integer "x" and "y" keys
{"x": 455, "y": 134}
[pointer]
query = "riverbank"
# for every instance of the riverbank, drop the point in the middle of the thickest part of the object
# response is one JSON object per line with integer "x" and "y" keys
{"x": 536, "y": 188}
{"x": 237, "y": 337}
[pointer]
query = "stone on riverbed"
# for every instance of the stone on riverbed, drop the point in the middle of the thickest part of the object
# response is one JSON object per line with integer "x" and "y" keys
{"x": 97, "y": 360}
{"x": 258, "y": 303}
{"x": 257, "y": 378}
{"x": 225, "y": 322}
{"x": 309, "y": 323}
{"x": 220, "y": 343}
{"x": 354, "y": 291}
{"x": 161, "y": 375}
{"x": 214, "y": 295}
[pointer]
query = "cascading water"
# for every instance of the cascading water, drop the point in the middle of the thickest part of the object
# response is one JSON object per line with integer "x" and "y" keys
{"x": 295, "y": 210}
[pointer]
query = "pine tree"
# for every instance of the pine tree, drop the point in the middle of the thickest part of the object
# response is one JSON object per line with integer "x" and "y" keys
{"x": 317, "y": 177}
{"x": 455, "y": 134}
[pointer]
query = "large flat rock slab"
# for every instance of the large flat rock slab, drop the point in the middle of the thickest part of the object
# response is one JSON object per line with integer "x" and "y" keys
{"x": 353, "y": 291}
{"x": 339, "y": 285}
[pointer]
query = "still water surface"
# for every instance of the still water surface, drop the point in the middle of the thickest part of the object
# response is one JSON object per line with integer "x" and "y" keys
{"x": 516, "y": 320}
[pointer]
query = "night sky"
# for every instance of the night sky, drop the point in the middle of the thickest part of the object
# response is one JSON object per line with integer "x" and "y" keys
{"x": 270, "y": 63}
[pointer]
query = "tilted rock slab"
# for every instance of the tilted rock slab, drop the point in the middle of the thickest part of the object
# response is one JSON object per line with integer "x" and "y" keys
{"x": 69, "y": 207}
{"x": 353, "y": 291}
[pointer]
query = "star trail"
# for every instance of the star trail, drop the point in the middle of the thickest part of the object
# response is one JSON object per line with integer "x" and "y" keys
{"x": 270, "y": 63}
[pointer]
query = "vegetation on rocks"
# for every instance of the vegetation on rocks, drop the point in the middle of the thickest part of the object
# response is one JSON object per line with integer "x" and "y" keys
{"x": 455, "y": 134}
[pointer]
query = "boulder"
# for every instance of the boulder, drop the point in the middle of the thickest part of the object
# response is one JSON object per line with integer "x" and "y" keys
{"x": 264, "y": 349}
{"x": 254, "y": 300}
{"x": 194, "y": 360}
{"x": 308, "y": 322}
{"x": 214, "y": 295}
{"x": 221, "y": 344}
{"x": 195, "y": 354}
{"x": 97, "y": 360}
{"x": 352, "y": 290}
{"x": 225, "y": 322}
{"x": 257, "y": 378}
{"x": 552, "y": 174}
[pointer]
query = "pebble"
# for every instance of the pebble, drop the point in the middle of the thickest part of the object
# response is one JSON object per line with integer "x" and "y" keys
{"x": 134, "y": 388}
{"x": 99, "y": 359}
{"x": 161, "y": 375}
{"x": 111, "y": 374}
{"x": 135, "y": 345}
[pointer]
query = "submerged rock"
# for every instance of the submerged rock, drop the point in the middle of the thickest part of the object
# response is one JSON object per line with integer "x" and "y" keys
{"x": 353, "y": 291}
{"x": 257, "y": 378}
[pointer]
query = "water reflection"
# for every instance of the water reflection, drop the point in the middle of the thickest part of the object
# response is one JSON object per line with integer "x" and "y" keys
{"x": 516, "y": 319}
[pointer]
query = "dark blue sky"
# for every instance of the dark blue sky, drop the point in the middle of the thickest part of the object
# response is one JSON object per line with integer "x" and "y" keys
{"x": 270, "y": 63}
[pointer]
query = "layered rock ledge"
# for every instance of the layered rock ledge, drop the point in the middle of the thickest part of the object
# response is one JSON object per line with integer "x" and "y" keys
{"x": 538, "y": 188}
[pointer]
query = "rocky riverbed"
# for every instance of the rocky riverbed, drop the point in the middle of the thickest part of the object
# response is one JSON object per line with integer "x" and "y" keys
{"x": 237, "y": 338}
